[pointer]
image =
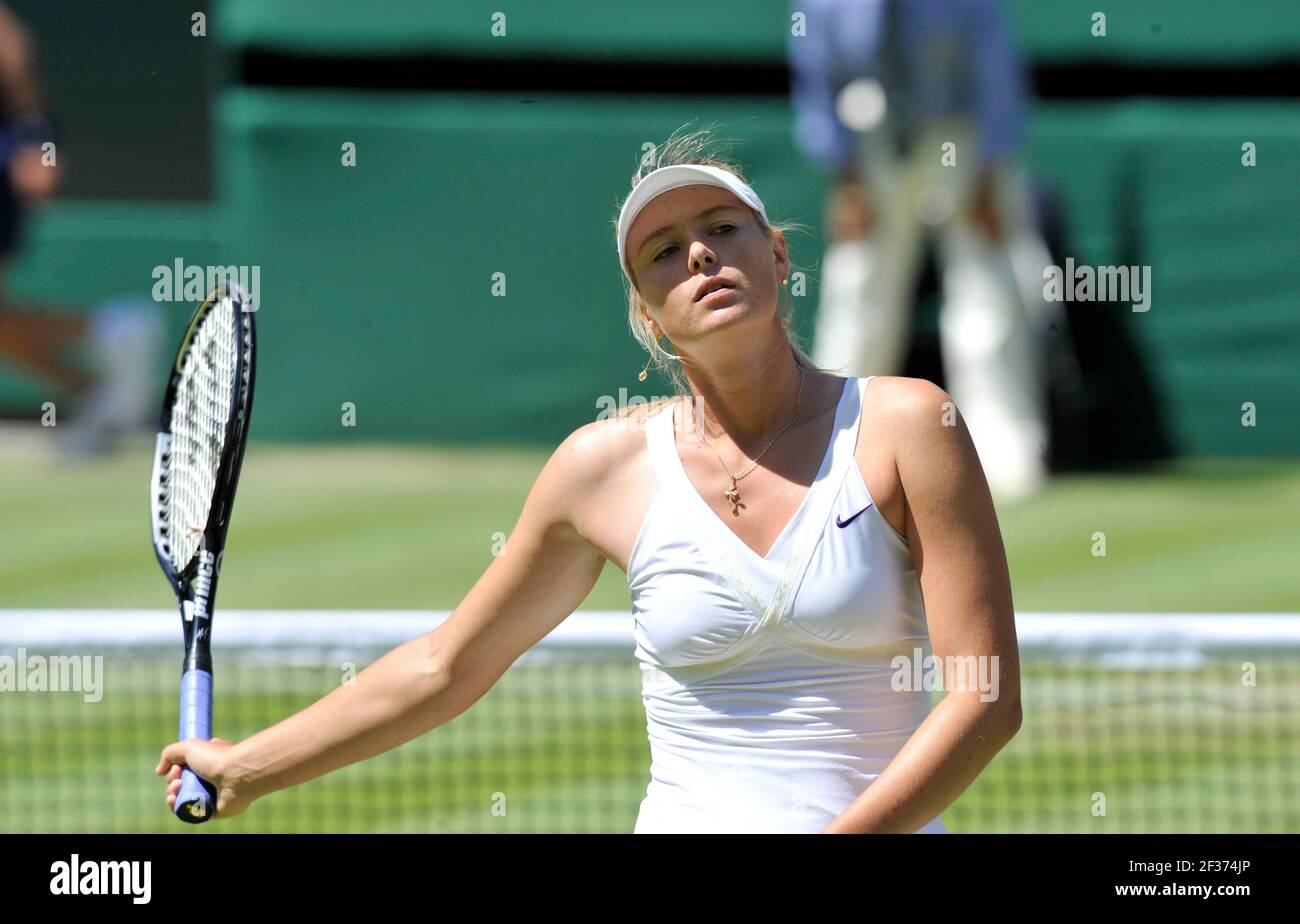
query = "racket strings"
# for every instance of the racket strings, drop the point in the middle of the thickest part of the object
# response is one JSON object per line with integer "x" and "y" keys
{"x": 200, "y": 414}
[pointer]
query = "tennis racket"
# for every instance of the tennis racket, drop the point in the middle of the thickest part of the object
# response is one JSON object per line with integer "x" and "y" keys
{"x": 200, "y": 447}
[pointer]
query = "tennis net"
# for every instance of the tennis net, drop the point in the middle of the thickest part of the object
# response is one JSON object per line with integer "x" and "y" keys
{"x": 1132, "y": 723}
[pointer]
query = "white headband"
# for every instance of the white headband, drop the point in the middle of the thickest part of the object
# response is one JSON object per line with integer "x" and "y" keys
{"x": 662, "y": 180}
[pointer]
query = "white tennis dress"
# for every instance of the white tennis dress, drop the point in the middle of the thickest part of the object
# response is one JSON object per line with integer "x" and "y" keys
{"x": 767, "y": 681}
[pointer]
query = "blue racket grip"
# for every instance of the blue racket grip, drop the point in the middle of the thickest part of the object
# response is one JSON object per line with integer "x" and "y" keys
{"x": 197, "y": 800}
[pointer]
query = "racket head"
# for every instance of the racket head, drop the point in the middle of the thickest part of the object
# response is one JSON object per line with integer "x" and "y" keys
{"x": 202, "y": 432}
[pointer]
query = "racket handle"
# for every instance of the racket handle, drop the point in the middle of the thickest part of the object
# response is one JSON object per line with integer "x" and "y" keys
{"x": 197, "y": 800}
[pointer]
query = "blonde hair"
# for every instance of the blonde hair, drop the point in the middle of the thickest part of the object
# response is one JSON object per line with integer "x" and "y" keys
{"x": 699, "y": 147}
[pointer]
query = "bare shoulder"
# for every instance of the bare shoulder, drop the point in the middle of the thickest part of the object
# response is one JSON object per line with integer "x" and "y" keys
{"x": 595, "y": 451}
{"x": 935, "y": 457}
{"x": 603, "y": 480}
{"x": 907, "y": 404}
{"x": 931, "y": 446}
{"x": 601, "y": 462}
{"x": 896, "y": 412}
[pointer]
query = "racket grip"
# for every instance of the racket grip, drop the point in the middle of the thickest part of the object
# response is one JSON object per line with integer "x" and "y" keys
{"x": 197, "y": 800}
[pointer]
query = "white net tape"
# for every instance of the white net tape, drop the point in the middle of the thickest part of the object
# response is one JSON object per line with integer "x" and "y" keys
{"x": 199, "y": 416}
{"x": 1146, "y": 641}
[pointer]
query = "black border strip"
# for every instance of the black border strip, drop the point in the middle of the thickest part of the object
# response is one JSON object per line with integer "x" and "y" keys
{"x": 433, "y": 71}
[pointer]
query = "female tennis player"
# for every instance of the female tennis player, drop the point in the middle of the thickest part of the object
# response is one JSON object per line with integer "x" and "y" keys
{"x": 799, "y": 547}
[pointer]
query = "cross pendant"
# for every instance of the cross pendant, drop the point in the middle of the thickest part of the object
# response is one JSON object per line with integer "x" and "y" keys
{"x": 733, "y": 497}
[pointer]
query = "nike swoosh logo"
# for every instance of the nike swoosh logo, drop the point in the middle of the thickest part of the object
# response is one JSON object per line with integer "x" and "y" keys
{"x": 843, "y": 523}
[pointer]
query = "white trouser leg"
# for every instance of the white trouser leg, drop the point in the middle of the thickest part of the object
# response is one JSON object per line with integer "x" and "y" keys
{"x": 1025, "y": 246}
{"x": 991, "y": 361}
{"x": 864, "y": 318}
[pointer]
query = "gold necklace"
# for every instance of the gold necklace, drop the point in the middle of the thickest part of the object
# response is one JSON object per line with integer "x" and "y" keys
{"x": 733, "y": 493}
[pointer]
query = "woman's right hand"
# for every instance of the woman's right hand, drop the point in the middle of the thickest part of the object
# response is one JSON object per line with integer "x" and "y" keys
{"x": 848, "y": 213}
{"x": 32, "y": 177}
{"x": 210, "y": 760}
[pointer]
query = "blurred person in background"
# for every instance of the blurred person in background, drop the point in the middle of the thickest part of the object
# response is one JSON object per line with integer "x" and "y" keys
{"x": 105, "y": 359}
{"x": 916, "y": 107}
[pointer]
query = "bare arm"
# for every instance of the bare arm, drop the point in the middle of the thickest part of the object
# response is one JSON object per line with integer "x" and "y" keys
{"x": 21, "y": 99}
{"x": 22, "y": 96}
{"x": 961, "y": 563}
{"x": 545, "y": 572}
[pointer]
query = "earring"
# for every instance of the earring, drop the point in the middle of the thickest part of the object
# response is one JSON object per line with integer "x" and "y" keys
{"x": 785, "y": 280}
{"x": 641, "y": 377}
{"x": 785, "y": 323}
{"x": 645, "y": 370}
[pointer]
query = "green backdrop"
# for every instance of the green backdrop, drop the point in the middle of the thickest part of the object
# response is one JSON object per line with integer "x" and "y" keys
{"x": 378, "y": 280}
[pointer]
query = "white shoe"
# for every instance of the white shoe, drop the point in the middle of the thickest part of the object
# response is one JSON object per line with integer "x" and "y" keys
{"x": 1013, "y": 463}
{"x": 126, "y": 339}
